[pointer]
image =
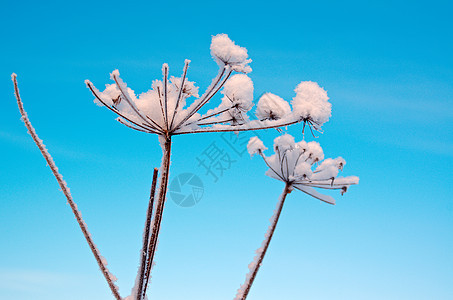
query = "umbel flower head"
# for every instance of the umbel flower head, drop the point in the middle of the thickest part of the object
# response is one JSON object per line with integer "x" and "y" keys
{"x": 302, "y": 166}
{"x": 173, "y": 106}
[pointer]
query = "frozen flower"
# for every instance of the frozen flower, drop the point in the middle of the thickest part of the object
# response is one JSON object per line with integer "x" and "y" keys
{"x": 295, "y": 165}
{"x": 173, "y": 107}
{"x": 302, "y": 166}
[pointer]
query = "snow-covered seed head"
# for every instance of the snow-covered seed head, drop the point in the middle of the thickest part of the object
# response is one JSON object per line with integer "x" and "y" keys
{"x": 315, "y": 152}
{"x": 163, "y": 109}
{"x": 238, "y": 91}
{"x": 272, "y": 107}
{"x": 311, "y": 104}
{"x": 255, "y": 146}
{"x": 284, "y": 142}
{"x": 293, "y": 164}
{"x": 226, "y": 52}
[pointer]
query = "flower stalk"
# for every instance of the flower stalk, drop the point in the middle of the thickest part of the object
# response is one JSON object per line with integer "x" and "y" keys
{"x": 157, "y": 219}
{"x": 110, "y": 278}
{"x": 256, "y": 264}
{"x": 144, "y": 251}
{"x": 292, "y": 164}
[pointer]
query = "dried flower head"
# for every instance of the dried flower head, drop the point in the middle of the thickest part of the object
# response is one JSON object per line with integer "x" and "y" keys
{"x": 302, "y": 166}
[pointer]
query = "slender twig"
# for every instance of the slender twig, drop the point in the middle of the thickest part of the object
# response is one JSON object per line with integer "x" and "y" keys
{"x": 91, "y": 87}
{"x": 131, "y": 103}
{"x": 144, "y": 252}
{"x": 152, "y": 121}
{"x": 314, "y": 195}
{"x": 102, "y": 265}
{"x": 215, "y": 113}
{"x": 245, "y": 288}
{"x": 212, "y": 94}
{"x": 135, "y": 128}
{"x": 197, "y": 102}
{"x": 183, "y": 80}
{"x": 155, "y": 228}
{"x": 165, "y": 70}
{"x": 215, "y": 122}
{"x": 161, "y": 105}
{"x": 264, "y": 158}
{"x": 201, "y": 130}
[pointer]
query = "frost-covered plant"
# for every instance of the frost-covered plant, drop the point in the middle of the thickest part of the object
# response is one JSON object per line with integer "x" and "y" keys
{"x": 173, "y": 107}
{"x": 300, "y": 166}
{"x": 166, "y": 110}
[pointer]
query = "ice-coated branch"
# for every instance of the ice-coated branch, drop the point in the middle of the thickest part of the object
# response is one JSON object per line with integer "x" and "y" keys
{"x": 197, "y": 104}
{"x": 122, "y": 87}
{"x": 95, "y": 93}
{"x": 110, "y": 278}
{"x": 250, "y": 126}
{"x": 181, "y": 88}
{"x": 144, "y": 252}
{"x": 215, "y": 113}
{"x": 135, "y": 128}
{"x": 244, "y": 290}
{"x": 165, "y": 73}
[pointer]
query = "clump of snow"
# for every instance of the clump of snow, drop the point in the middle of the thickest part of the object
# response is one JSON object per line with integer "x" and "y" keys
{"x": 255, "y": 146}
{"x": 302, "y": 170}
{"x": 238, "y": 94}
{"x": 272, "y": 107}
{"x": 226, "y": 52}
{"x": 238, "y": 90}
{"x": 311, "y": 103}
{"x": 284, "y": 142}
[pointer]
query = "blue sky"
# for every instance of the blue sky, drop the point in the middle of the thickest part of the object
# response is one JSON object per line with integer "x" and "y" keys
{"x": 388, "y": 69}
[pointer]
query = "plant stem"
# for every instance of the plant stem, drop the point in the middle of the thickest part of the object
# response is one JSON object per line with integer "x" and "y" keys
{"x": 245, "y": 288}
{"x": 144, "y": 252}
{"x": 166, "y": 149}
{"x": 101, "y": 263}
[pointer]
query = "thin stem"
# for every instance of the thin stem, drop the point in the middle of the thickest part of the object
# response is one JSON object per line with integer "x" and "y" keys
{"x": 165, "y": 67}
{"x": 136, "y": 128}
{"x": 130, "y": 102}
{"x": 213, "y": 85}
{"x": 161, "y": 105}
{"x": 144, "y": 252}
{"x": 245, "y": 288}
{"x": 183, "y": 80}
{"x": 152, "y": 121}
{"x": 215, "y": 122}
{"x": 166, "y": 148}
{"x": 102, "y": 265}
{"x": 264, "y": 158}
{"x": 212, "y": 94}
{"x": 201, "y": 130}
{"x": 215, "y": 113}
{"x": 91, "y": 87}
